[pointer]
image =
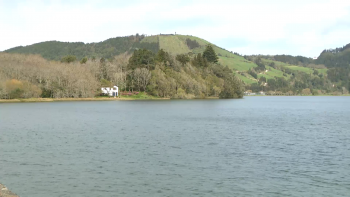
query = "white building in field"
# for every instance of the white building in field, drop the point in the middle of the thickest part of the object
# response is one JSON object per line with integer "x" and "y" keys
{"x": 110, "y": 91}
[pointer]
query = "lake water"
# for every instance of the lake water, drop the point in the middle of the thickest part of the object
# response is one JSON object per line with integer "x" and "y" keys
{"x": 256, "y": 146}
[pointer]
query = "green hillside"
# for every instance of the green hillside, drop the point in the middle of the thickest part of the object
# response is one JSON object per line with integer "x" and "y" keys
{"x": 174, "y": 44}
{"x": 330, "y": 70}
{"x": 150, "y": 39}
{"x": 246, "y": 78}
{"x": 237, "y": 63}
{"x": 55, "y": 50}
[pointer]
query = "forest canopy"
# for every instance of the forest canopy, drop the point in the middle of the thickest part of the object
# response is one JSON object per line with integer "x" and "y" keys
{"x": 159, "y": 74}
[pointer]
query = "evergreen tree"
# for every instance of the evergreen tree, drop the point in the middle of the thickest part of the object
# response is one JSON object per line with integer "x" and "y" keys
{"x": 210, "y": 54}
{"x": 183, "y": 59}
{"x": 200, "y": 61}
{"x": 68, "y": 59}
{"x": 142, "y": 58}
{"x": 163, "y": 56}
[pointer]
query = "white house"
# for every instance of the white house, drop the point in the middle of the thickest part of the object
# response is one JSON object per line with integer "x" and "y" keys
{"x": 110, "y": 91}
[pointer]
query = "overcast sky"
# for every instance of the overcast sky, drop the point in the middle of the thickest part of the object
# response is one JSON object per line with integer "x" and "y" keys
{"x": 297, "y": 27}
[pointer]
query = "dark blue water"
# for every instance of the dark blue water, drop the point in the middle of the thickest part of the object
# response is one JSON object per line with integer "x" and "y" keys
{"x": 257, "y": 146}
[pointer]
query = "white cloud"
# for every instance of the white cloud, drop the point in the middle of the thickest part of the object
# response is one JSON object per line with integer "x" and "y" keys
{"x": 267, "y": 27}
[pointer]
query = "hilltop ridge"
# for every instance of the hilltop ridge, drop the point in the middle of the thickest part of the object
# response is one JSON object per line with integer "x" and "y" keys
{"x": 176, "y": 44}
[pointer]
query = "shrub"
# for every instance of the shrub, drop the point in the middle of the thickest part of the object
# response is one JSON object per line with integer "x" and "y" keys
{"x": 68, "y": 59}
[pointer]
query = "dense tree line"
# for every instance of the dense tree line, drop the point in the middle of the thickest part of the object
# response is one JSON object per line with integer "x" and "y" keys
{"x": 337, "y": 50}
{"x": 338, "y": 62}
{"x": 184, "y": 76}
{"x": 159, "y": 74}
{"x": 335, "y": 60}
{"x": 294, "y": 60}
{"x": 26, "y": 76}
{"x": 54, "y": 50}
{"x": 288, "y": 59}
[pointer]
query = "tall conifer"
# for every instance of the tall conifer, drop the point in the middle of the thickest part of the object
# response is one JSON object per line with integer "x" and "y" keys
{"x": 210, "y": 54}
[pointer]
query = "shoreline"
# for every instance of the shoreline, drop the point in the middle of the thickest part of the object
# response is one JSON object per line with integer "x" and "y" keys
{"x": 44, "y": 100}
{"x": 299, "y": 95}
{"x": 34, "y": 100}
{"x": 4, "y": 192}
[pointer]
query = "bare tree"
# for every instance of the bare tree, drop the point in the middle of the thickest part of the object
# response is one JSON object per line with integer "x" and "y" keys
{"x": 137, "y": 77}
{"x": 145, "y": 76}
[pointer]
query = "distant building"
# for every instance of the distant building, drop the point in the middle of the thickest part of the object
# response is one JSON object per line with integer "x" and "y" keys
{"x": 249, "y": 93}
{"x": 110, "y": 91}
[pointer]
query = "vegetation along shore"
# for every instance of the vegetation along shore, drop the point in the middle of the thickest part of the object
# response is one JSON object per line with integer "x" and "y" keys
{"x": 165, "y": 66}
{"x": 122, "y": 98}
{"x": 159, "y": 73}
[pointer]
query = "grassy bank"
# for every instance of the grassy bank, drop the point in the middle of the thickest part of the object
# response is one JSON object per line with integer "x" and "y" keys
{"x": 57, "y": 100}
{"x": 140, "y": 96}
{"x": 122, "y": 98}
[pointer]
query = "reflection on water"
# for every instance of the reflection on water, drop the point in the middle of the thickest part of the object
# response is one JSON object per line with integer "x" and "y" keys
{"x": 257, "y": 146}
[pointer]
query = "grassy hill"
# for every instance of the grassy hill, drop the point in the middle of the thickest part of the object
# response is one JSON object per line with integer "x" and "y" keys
{"x": 174, "y": 44}
{"x": 299, "y": 72}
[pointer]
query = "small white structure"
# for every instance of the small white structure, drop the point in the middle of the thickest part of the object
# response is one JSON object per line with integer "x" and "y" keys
{"x": 249, "y": 93}
{"x": 110, "y": 91}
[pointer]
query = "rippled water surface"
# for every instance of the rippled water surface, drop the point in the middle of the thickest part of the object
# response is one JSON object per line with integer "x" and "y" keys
{"x": 257, "y": 146}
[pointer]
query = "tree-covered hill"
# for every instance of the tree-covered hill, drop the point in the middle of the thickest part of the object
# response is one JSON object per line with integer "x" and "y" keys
{"x": 160, "y": 74}
{"x": 329, "y": 73}
{"x": 174, "y": 44}
{"x": 54, "y": 50}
